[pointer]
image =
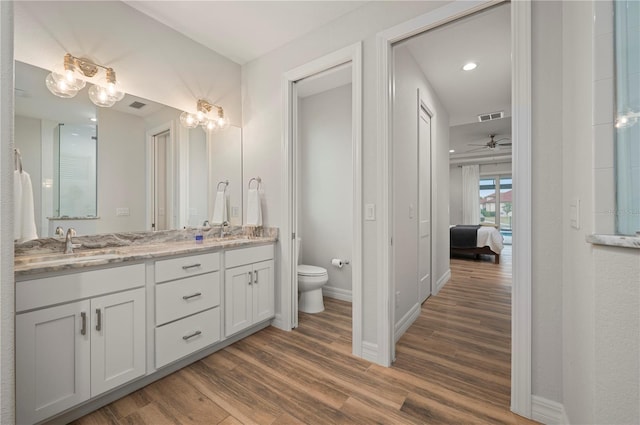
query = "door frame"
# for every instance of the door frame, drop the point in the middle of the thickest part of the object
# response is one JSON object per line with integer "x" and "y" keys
{"x": 171, "y": 173}
{"x": 423, "y": 106}
{"x": 521, "y": 167}
{"x": 288, "y": 294}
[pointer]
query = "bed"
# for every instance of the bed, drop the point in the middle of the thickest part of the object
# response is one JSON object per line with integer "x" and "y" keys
{"x": 476, "y": 240}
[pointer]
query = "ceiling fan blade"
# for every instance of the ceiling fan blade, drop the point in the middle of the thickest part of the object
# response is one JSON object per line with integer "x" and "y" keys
{"x": 504, "y": 144}
{"x": 476, "y": 149}
{"x": 475, "y": 144}
{"x": 504, "y": 138}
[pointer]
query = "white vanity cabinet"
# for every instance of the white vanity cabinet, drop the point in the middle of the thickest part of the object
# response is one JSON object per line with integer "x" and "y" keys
{"x": 75, "y": 350}
{"x": 187, "y": 306}
{"x": 249, "y": 289}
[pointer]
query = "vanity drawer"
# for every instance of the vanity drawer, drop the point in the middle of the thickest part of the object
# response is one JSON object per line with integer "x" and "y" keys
{"x": 187, "y": 296}
{"x": 242, "y": 256}
{"x": 186, "y": 336}
{"x": 192, "y": 265}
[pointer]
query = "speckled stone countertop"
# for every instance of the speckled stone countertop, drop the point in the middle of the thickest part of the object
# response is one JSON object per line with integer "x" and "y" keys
{"x": 615, "y": 240}
{"x": 46, "y": 255}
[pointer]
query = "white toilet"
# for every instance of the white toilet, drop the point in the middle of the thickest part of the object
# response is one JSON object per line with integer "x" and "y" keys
{"x": 311, "y": 279}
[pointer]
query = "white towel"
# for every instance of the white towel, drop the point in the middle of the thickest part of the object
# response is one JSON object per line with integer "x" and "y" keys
{"x": 24, "y": 228}
{"x": 220, "y": 208}
{"x": 254, "y": 210}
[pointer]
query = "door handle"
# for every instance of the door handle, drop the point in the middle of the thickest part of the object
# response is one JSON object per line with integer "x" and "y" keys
{"x": 191, "y": 266}
{"x": 99, "y": 322}
{"x": 250, "y": 278}
{"x": 255, "y": 274}
{"x": 83, "y": 329}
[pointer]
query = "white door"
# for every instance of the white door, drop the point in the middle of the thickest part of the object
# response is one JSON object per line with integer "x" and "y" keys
{"x": 263, "y": 291}
{"x": 161, "y": 207}
{"x": 117, "y": 339}
{"x": 238, "y": 299}
{"x": 424, "y": 204}
{"x": 52, "y": 361}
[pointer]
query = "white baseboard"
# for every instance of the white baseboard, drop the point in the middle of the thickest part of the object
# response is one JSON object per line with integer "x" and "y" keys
{"x": 337, "y": 293}
{"x": 370, "y": 351}
{"x": 548, "y": 412}
{"x": 279, "y": 323}
{"x": 442, "y": 281}
{"x": 406, "y": 321}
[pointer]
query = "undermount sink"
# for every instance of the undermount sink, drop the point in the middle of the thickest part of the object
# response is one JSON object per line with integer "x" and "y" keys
{"x": 76, "y": 257}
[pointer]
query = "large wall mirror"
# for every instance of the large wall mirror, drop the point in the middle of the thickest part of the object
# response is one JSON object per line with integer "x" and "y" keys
{"x": 125, "y": 168}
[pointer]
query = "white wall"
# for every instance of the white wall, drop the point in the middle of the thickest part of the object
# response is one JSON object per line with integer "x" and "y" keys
{"x": 409, "y": 78}
{"x": 28, "y": 139}
{"x": 262, "y": 118}
{"x": 225, "y": 163}
{"x": 601, "y": 300}
{"x": 326, "y": 187}
{"x": 455, "y": 186}
{"x": 121, "y": 171}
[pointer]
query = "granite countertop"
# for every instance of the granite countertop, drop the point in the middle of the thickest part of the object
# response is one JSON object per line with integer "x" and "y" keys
{"x": 615, "y": 240}
{"x": 46, "y": 255}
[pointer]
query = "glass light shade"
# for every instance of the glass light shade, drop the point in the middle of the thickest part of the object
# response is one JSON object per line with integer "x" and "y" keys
{"x": 188, "y": 120}
{"x": 71, "y": 76}
{"x": 201, "y": 116}
{"x": 99, "y": 95}
{"x": 209, "y": 125}
{"x": 114, "y": 90}
{"x": 60, "y": 87}
{"x": 222, "y": 123}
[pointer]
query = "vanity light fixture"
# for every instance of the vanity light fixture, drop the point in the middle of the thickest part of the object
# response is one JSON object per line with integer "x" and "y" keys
{"x": 219, "y": 122}
{"x": 67, "y": 79}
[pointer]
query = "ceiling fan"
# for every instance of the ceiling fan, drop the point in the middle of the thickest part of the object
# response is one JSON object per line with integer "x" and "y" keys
{"x": 492, "y": 143}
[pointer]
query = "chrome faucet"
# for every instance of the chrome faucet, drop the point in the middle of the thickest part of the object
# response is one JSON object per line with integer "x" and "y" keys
{"x": 59, "y": 231}
{"x": 68, "y": 243}
{"x": 206, "y": 223}
{"x": 223, "y": 228}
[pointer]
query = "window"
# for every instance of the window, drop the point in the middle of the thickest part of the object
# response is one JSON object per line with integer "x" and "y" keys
{"x": 496, "y": 205}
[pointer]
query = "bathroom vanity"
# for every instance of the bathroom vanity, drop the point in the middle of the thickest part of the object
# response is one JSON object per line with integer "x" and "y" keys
{"x": 100, "y": 323}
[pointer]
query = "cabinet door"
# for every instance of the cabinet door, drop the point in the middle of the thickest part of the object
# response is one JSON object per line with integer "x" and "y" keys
{"x": 238, "y": 299}
{"x": 117, "y": 339}
{"x": 52, "y": 360}
{"x": 263, "y": 291}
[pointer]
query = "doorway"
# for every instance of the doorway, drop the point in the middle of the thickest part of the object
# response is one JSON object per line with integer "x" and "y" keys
{"x": 520, "y": 71}
{"x": 424, "y": 203}
{"x": 160, "y": 178}
{"x": 291, "y": 187}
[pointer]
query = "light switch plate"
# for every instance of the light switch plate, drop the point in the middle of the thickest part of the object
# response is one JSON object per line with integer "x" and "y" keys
{"x": 122, "y": 211}
{"x": 370, "y": 212}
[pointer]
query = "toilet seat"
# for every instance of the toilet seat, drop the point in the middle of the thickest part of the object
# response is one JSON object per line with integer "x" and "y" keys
{"x": 306, "y": 270}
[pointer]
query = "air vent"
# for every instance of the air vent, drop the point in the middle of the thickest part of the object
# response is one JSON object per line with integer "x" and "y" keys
{"x": 490, "y": 116}
{"x": 137, "y": 105}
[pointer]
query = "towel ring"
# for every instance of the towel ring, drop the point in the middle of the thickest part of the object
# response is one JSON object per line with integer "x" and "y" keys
{"x": 225, "y": 183}
{"x": 258, "y": 180}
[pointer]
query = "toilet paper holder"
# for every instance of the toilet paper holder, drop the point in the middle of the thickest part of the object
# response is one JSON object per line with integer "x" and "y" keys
{"x": 339, "y": 263}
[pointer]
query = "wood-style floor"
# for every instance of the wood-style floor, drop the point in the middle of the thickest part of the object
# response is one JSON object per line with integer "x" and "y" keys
{"x": 452, "y": 367}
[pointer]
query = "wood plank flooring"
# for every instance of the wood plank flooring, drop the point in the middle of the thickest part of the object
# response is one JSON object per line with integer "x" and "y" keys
{"x": 452, "y": 367}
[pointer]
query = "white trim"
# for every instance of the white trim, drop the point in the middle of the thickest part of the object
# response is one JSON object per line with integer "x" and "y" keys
{"x": 369, "y": 351}
{"x": 278, "y": 322}
{"x": 337, "y": 293}
{"x": 7, "y": 281}
{"x": 446, "y": 277}
{"x": 521, "y": 117}
{"x": 521, "y": 173}
{"x": 548, "y": 411}
{"x": 406, "y": 321}
{"x": 353, "y": 54}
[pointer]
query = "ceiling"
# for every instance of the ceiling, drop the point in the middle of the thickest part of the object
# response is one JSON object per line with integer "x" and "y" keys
{"x": 485, "y": 39}
{"x": 244, "y": 30}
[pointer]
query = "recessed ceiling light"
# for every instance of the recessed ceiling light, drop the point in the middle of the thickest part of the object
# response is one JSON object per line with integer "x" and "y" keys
{"x": 470, "y": 66}
{"x": 452, "y": 150}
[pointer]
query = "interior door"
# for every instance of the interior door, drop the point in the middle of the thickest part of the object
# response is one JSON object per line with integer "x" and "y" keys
{"x": 424, "y": 204}
{"x": 160, "y": 181}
